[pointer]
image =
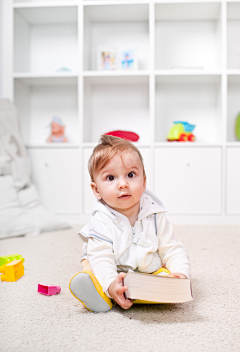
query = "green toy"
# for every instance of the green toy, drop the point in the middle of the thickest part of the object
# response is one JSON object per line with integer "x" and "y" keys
{"x": 237, "y": 127}
{"x": 9, "y": 258}
{"x": 181, "y": 131}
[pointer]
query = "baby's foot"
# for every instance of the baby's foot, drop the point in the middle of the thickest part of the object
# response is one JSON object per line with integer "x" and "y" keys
{"x": 85, "y": 287}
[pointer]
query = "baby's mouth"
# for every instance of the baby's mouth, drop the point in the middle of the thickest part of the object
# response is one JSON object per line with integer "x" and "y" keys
{"x": 124, "y": 196}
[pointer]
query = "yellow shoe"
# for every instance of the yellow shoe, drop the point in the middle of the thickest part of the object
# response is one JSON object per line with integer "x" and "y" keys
{"x": 162, "y": 272}
{"x": 86, "y": 288}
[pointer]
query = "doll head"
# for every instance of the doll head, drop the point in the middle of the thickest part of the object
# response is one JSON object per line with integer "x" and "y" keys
{"x": 57, "y": 127}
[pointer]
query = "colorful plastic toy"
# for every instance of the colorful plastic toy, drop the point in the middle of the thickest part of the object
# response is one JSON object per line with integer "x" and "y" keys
{"x": 48, "y": 290}
{"x": 181, "y": 131}
{"x": 12, "y": 271}
{"x": 129, "y": 136}
{"x": 9, "y": 258}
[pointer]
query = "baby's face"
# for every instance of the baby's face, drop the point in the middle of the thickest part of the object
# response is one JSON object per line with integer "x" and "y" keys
{"x": 121, "y": 183}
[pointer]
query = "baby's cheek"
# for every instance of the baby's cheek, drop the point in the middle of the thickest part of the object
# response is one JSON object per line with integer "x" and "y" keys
{"x": 139, "y": 191}
{"x": 109, "y": 190}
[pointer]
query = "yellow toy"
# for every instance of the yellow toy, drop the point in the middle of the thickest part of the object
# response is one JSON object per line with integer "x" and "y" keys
{"x": 12, "y": 271}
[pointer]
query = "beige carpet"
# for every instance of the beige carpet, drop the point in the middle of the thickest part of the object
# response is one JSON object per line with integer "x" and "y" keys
{"x": 33, "y": 322}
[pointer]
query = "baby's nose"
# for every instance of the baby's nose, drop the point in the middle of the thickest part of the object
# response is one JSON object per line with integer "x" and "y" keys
{"x": 123, "y": 184}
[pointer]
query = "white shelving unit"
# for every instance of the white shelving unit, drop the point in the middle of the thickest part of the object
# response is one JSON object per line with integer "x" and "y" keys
{"x": 188, "y": 69}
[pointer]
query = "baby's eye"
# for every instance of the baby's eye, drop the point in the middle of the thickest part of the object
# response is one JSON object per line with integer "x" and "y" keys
{"x": 131, "y": 174}
{"x": 110, "y": 178}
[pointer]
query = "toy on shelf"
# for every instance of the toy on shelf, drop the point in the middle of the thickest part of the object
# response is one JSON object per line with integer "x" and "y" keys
{"x": 57, "y": 131}
{"x": 181, "y": 131}
{"x": 48, "y": 290}
{"x": 237, "y": 127}
{"x": 107, "y": 59}
{"x": 129, "y": 136}
{"x": 12, "y": 271}
{"x": 129, "y": 60}
{"x": 9, "y": 258}
{"x": 64, "y": 69}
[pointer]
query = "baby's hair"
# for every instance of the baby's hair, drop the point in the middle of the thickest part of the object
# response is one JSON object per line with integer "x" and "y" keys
{"x": 107, "y": 148}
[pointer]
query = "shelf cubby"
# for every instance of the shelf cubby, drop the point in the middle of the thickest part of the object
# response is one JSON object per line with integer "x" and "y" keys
{"x": 117, "y": 27}
{"x": 233, "y": 106}
{"x": 112, "y": 103}
{"x": 39, "y": 99}
{"x": 45, "y": 39}
{"x": 195, "y": 99}
{"x": 188, "y": 36}
{"x": 233, "y": 33}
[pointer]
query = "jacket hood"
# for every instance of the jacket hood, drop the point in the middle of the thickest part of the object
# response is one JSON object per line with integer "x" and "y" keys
{"x": 149, "y": 204}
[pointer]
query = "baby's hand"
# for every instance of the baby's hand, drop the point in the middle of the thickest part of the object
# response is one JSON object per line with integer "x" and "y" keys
{"x": 116, "y": 290}
{"x": 181, "y": 276}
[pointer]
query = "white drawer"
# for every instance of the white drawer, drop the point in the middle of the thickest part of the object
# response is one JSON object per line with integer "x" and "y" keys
{"x": 56, "y": 174}
{"x": 188, "y": 180}
{"x": 233, "y": 181}
{"x": 87, "y": 191}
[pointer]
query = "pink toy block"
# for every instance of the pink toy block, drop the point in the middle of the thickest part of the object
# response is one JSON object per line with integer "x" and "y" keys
{"x": 48, "y": 290}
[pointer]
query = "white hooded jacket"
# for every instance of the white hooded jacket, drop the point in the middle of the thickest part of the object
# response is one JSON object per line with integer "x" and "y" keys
{"x": 111, "y": 244}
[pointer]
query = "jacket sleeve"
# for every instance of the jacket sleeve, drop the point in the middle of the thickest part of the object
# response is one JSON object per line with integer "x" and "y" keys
{"x": 102, "y": 261}
{"x": 172, "y": 252}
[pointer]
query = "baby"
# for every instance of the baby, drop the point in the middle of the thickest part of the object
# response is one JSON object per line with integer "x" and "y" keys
{"x": 128, "y": 229}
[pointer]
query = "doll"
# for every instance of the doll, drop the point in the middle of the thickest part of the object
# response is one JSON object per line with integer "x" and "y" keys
{"x": 57, "y": 131}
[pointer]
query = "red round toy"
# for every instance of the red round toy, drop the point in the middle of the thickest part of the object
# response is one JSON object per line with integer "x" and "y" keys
{"x": 129, "y": 136}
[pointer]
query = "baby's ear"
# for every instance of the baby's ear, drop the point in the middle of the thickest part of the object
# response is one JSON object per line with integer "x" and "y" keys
{"x": 95, "y": 190}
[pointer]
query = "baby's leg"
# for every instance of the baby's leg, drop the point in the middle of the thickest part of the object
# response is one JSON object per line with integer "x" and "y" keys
{"x": 86, "y": 266}
{"x": 86, "y": 288}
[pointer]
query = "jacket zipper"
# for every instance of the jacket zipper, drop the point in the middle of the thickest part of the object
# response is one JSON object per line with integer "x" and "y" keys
{"x": 135, "y": 244}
